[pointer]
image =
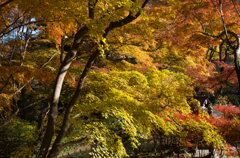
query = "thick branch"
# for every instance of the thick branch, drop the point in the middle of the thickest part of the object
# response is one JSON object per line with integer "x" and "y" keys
{"x": 91, "y": 8}
{"x": 226, "y": 54}
{"x": 213, "y": 50}
{"x": 124, "y": 21}
{"x": 220, "y": 50}
{"x": 222, "y": 34}
{"x": 62, "y": 49}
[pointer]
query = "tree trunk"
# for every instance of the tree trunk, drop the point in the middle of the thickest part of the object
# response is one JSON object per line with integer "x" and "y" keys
{"x": 56, "y": 93}
{"x": 237, "y": 63}
{"x": 57, "y": 146}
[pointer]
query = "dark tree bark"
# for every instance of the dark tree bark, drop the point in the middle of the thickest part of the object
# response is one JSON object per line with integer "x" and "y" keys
{"x": 236, "y": 52}
{"x": 42, "y": 115}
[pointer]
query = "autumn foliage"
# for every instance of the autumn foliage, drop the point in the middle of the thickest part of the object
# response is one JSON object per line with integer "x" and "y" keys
{"x": 109, "y": 74}
{"x": 228, "y": 126}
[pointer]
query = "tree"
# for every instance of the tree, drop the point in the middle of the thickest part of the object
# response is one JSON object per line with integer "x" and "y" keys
{"x": 228, "y": 125}
{"x": 211, "y": 24}
{"x": 18, "y": 28}
{"x": 112, "y": 23}
{"x": 119, "y": 86}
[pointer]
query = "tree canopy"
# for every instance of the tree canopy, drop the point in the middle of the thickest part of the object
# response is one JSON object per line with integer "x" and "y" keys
{"x": 109, "y": 73}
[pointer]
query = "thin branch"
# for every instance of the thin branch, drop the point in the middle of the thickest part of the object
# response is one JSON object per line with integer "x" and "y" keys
{"x": 4, "y": 21}
{"x": 223, "y": 22}
{"x": 222, "y": 34}
{"x": 16, "y": 112}
{"x": 216, "y": 7}
{"x": 6, "y": 3}
{"x": 43, "y": 115}
{"x": 13, "y": 50}
{"x": 213, "y": 50}
{"x": 76, "y": 115}
{"x": 43, "y": 65}
{"x": 32, "y": 77}
{"x": 230, "y": 74}
{"x": 32, "y": 104}
{"x": 6, "y": 83}
{"x": 195, "y": 15}
{"x": 4, "y": 32}
{"x": 207, "y": 34}
{"x": 19, "y": 90}
{"x": 27, "y": 38}
{"x": 9, "y": 119}
{"x": 236, "y": 8}
{"x": 2, "y": 117}
{"x": 207, "y": 52}
{"x": 220, "y": 50}
{"x": 224, "y": 80}
{"x": 8, "y": 26}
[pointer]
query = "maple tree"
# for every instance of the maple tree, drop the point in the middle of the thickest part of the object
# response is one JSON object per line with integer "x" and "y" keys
{"x": 192, "y": 130}
{"x": 212, "y": 28}
{"x": 212, "y": 31}
{"x": 228, "y": 125}
{"x": 104, "y": 71}
{"x": 18, "y": 26}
